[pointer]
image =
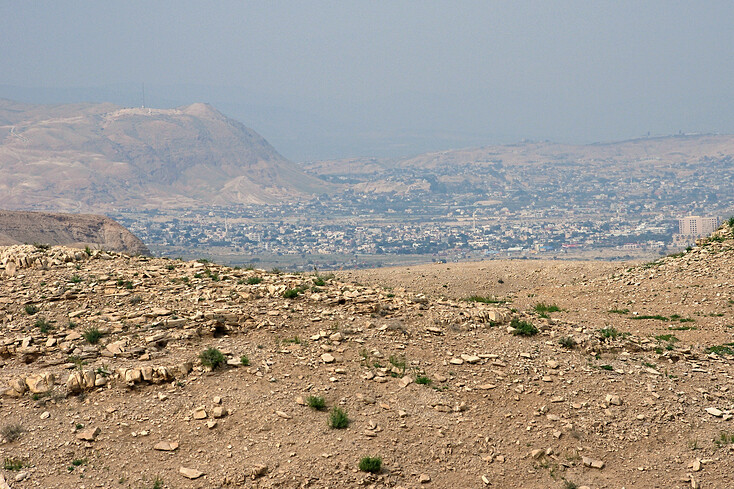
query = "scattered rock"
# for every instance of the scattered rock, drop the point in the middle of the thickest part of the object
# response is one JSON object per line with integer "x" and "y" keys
{"x": 166, "y": 446}
{"x": 89, "y": 434}
{"x": 190, "y": 473}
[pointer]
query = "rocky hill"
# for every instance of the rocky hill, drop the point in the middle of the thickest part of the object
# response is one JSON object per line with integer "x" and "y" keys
{"x": 78, "y": 230}
{"x": 146, "y": 372}
{"x": 84, "y": 157}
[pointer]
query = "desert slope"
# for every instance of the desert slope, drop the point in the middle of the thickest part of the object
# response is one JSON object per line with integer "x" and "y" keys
{"x": 627, "y": 385}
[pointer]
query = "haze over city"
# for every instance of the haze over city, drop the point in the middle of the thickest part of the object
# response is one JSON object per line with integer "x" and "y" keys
{"x": 324, "y": 80}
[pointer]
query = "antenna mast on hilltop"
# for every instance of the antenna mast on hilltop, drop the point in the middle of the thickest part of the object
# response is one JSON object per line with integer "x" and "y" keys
{"x": 143, "y": 106}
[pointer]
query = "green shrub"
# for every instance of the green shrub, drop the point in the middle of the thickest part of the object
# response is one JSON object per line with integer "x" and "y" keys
{"x": 485, "y": 300}
{"x": 245, "y": 361}
{"x": 92, "y": 335}
{"x": 606, "y": 367}
{"x": 544, "y": 309}
{"x": 423, "y": 380}
{"x": 609, "y": 333}
{"x": 75, "y": 279}
{"x": 338, "y": 418}
{"x": 523, "y": 328}
{"x": 373, "y": 465}
{"x": 212, "y": 358}
{"x": 13, "y": 464}
{"x": 619, "y": 311}
{"x": 656, "y": 316}
{"x": 31, "y": 309}
{"x": 721, "y": 350}
{"x": 43, "y": 325}
{"x": 316, "y": 402}
{"x": 291, "y": 293}
{"x": 254, "y": 280}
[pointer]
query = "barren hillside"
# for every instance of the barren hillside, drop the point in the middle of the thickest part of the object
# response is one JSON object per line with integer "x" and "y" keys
{"x": 91, "y": 156}
{"x": 79, "y": 230}
{"x": 626, "y": 383}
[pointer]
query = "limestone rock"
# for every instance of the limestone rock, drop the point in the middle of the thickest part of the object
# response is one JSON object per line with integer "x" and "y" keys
{"x": 40, "y": 383}
{"x": 166, "y": 446}
{"x": 190, "y": 473}
{"x": 89, "y": 434}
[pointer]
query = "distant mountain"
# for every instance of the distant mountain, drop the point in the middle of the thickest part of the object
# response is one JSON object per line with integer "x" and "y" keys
{"x": 76, "y": 230}
{"x": 82, "y": 157}
{"x": 534, "y": 165}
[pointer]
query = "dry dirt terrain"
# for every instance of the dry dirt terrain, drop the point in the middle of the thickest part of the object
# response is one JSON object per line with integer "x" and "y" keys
{"x": 628, "y": 384}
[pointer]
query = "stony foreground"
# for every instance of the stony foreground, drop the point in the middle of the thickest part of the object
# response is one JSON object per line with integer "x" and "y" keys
{"x": 103, "y": 385}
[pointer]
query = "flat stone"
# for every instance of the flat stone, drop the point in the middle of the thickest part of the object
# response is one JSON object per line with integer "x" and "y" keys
{"x": 715, "y": 412}
{"x": 200, "y": 413}
{"x": 166, "y": 446}
{"x": 327, "y": 358}
{"x": 456, "y": 361}
{"x": 190, "y": 473}
{"x": 89, "y": 434}
{"x": 590, "y": 462}
{"x": 470, "y": 358}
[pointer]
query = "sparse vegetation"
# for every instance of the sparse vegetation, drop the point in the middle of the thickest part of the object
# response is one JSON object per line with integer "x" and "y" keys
{"x": 92, "y": 335}
{"x": 656, "y": 316}
{"x": 543, "y": 309}
{"x": 619, "y": 311}
{"x": 338, "y": 418}
{"x": 316, "y": 402}
{"x": 75, "y": 279}
{"x": 423, "y": 380}
{"x": 373, "y": 465}
{"x": 11, "y": 432}
{"x": 606, "y": 367}
{"x": 254, "y": 280}
{"x": 43, "y": 325}
{"x": 485, "y": 300}
{"x": 30, "y": 309}
{"x": 721, "y": 350}
{"x": 245, "y": 361}
{"x": 567, "y": 342}
{"x": 609, "y": 333}
{"x": 724, "y": 439}
{"x": 212, "y": 358}
{"x": 291, "y": 293}
{"x": 399, "y": 364}
{"x": 523, "y": 328}
{"x": 13, "y": 464}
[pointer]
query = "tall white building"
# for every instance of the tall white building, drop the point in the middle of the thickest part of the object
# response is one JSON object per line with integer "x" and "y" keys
{"x": 698, "y": 226}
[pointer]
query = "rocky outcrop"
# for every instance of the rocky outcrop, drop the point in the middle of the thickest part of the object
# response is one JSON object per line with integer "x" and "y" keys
{"x": 76, "y": 230}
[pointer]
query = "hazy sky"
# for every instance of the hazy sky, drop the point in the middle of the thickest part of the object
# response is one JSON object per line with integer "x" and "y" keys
{"x": 345, "y": 78}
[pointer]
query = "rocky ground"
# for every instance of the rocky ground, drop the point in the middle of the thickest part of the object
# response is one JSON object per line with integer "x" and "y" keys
{"x": 628, "y": 384}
